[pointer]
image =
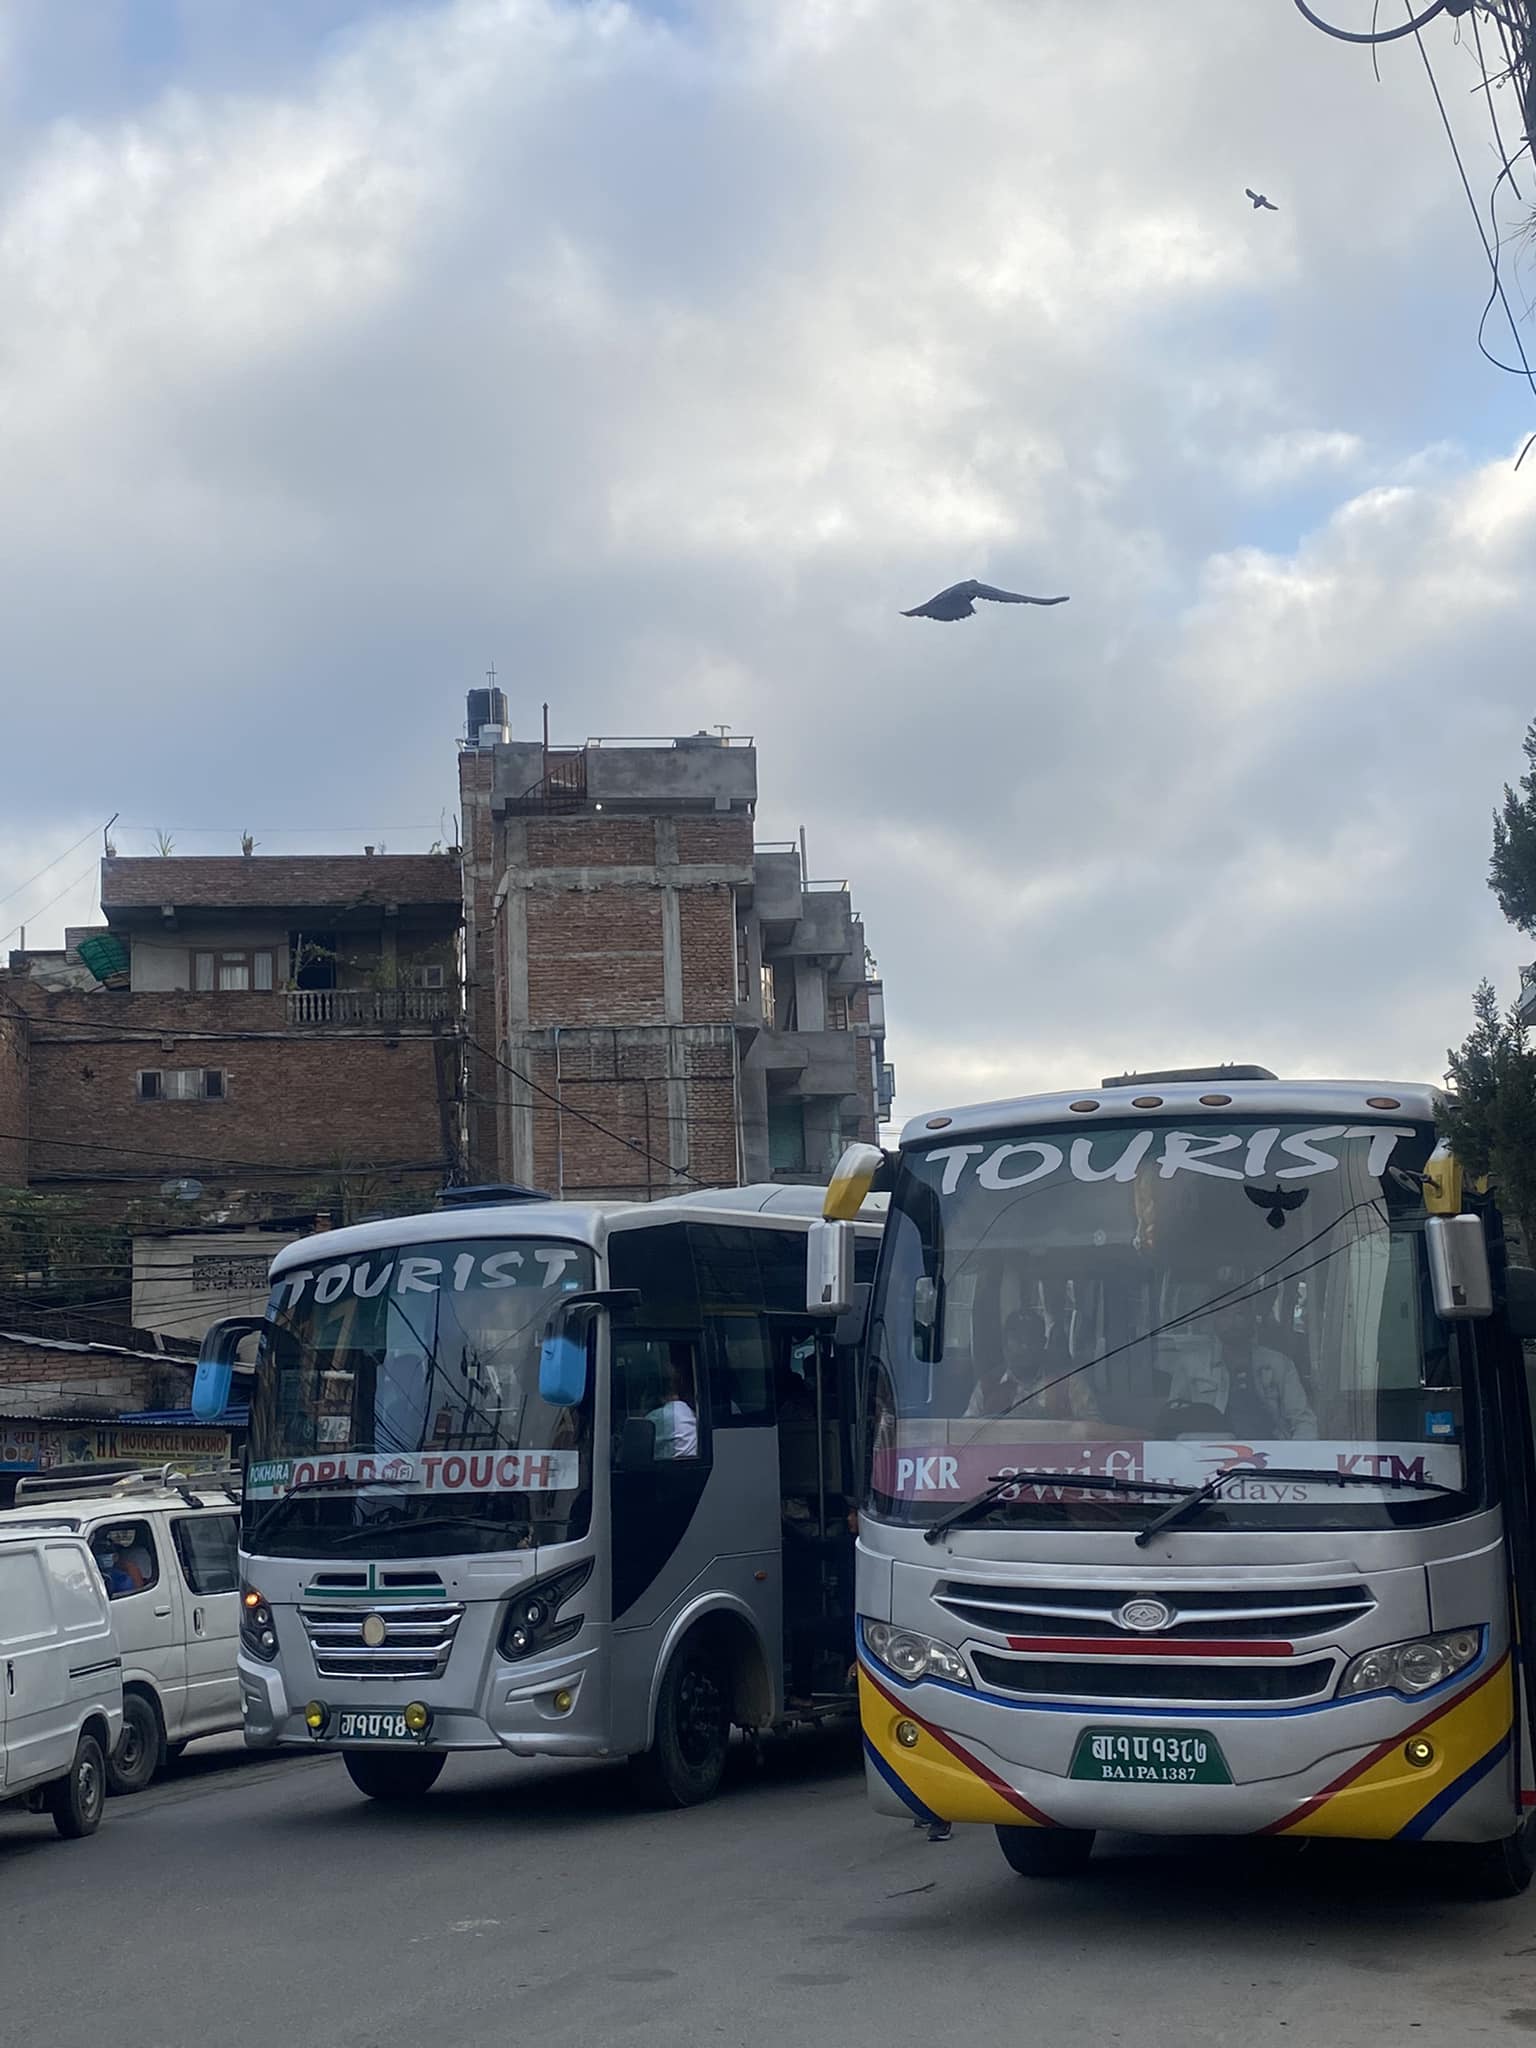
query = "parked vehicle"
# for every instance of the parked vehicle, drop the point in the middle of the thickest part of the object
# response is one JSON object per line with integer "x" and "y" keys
{"x": 61, "y": 1688}
{"x": 1199, "y": 1475}
{"x": 615, "y": 1542}
{"x": 166, "y": 1546}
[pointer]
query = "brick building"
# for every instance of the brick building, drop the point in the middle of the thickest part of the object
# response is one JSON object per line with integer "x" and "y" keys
{"x": 653, "y": 1001}
{"x": 240, "y": 1040}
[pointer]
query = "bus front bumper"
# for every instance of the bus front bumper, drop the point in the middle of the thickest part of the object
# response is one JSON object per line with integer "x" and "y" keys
{"x": 940, "y": 1752}
{"x": 552, "y": 1707}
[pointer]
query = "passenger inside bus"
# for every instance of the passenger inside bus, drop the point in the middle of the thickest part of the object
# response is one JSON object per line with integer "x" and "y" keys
{"x": 1223, "y": 1377}
{"x": 676, "y": 1420}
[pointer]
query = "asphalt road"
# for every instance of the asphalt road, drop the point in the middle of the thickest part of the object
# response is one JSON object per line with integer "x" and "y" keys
{"x": 256, "y": 1904}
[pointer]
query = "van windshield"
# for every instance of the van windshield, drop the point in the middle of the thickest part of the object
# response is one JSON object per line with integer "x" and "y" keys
{"x": 1154, "y": 1303}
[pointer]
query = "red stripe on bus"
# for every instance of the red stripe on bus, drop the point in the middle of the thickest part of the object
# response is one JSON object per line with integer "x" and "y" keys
{"x": 1375, "y": 1756}
{"x": 999, "y": 1785}
{"x": 1146, "y": 1646}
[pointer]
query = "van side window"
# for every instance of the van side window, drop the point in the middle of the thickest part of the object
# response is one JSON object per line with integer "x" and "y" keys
{"x": 25, "y": 1615}
{"x": 125, "y": 1556}
{"x": 206, "y": 1549}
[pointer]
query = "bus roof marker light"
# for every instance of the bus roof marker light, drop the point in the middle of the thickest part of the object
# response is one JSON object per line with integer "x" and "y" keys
{"x": 1146, "y": 1102}
{"x": 938, "y": 1123}
{"x": 1382, "y": 1102}
{"x": 1215, "y": 1102}
{"x": 1084, "y": 1108}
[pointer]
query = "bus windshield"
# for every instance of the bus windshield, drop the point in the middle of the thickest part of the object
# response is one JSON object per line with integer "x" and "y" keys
{"x": 1161, "y": 1304}
{"x": 397, "y": 1404}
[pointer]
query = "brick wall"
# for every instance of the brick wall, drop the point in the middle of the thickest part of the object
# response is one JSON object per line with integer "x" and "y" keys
{"x": 585, "y": 842}
{"x": 482, "y": 952}
{"x": 38, "y": 1379}
{"x": 619, "y": 1081}
{"x": 708, "y": 920}
{"x": 14, "y": 1094}
{"x": 714, "y": 840}
{"x": 595, "y": 957}
{"x": 269, "y": 881}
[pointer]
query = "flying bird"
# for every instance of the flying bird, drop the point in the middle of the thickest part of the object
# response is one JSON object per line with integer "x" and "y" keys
{"x": 1259, "y": 200}
{"x": 1276, "y": 1202}
{"x": 957, "y": 601}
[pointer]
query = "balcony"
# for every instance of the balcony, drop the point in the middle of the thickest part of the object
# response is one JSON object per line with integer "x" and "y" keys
{"x": 370, "y": 1008}
{"x": 810, "y": 1063}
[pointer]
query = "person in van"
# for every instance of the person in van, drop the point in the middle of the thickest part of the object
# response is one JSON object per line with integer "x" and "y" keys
{"x": 124, "y": 1561}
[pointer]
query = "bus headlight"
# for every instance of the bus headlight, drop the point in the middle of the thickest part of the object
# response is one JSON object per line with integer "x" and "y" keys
{"x": 257, "y": 1632}
{"x": 1411, "y": 1668}
{"x": 912, "y": 1656}
{"x": 533, "y": 1620}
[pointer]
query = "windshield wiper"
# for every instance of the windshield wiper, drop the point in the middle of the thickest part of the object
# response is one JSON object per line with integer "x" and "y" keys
{"x": 1078, "y": 1482}
{"x": 410, "y": 1525}
{"x": 274, "y": 1513}
{"x": 1197, "y": 1496}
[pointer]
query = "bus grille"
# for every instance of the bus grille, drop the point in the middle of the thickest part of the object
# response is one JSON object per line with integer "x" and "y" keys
{"x": 1122, "y": 1679}
{"x": 1286, "y": 1613}
{"x": 417, "y": 1641}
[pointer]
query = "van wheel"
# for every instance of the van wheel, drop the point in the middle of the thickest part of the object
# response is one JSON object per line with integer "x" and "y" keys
{"x": 395, "y": 1779}
{"x": 686, "y": 1761}
{"x": 1500, "y": 1870}
{"x": 76, "y": 1801}
{"x": 136, "y": 1758}
{"x": 1046, "y": 1852}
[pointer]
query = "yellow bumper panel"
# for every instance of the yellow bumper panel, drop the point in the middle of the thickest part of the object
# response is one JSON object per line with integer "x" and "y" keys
{"x": 936, "y": 1775}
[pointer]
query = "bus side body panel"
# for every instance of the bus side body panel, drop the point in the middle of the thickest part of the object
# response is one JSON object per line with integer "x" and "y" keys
{"x": 725, "y": 1557}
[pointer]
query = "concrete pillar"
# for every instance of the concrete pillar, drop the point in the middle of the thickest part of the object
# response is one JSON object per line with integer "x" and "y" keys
{"x": 810, "y": 996}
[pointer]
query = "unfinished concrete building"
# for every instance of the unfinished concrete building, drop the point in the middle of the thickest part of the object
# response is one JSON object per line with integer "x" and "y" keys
{"x": 654, "y": 1002}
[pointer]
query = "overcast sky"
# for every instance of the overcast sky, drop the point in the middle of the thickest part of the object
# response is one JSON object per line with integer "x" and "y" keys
{"x": 661, "y": 352}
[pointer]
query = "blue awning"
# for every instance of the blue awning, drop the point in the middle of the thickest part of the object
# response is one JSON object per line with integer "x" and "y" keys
{"x": 236, "y": 1416}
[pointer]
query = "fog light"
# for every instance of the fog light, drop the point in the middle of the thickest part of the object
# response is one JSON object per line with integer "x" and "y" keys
{"x": 564, "y": 1701}
{"x": 417, "y": 1718}
{"x": 906, "y": 1734}
{"x": 1419, "y": 1752}
{"x": 316, "y": 1714}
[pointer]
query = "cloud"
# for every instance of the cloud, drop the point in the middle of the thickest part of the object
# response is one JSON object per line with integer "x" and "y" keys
{"x": 664, "y": 355}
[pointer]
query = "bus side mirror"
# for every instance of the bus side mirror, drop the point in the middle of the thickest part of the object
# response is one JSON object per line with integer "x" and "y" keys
{"x": 1520, "y": 1302}
{"x": 1458, "y": 1267}
{"x": 216, "y": 1364}
{"x": 829, "y": 1268}
{"x": 563, "y": 1366}
{"x": 563, "y": 1353}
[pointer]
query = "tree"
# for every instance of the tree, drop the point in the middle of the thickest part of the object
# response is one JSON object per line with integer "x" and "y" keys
{"x": 1512, "y": 870}
{"x": 1491, "y": 1122}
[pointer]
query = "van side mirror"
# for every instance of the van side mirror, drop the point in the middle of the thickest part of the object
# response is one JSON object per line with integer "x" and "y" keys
{"x": 216, "y": 1364}
{"x": 563, "y": 1353}
{"x": 829, "y": 1268}
{"x": 1458, "y": 1267}
{"x": 1520, "y": 1301}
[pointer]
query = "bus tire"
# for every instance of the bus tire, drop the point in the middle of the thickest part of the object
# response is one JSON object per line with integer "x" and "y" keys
{"x": 397, "y": 1780}
{"x": 1046, "y": 1852}
{"x": 1500, "y": 1870}
{"x": 686, "y": 1759}
{"x": 140, "y": 1748}
{"x": 76, "y": 1802}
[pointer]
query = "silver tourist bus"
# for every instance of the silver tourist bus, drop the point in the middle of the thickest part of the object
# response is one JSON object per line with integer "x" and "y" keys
{"x": 1199, "y": 1474}
{"x": 555, "y": 1478}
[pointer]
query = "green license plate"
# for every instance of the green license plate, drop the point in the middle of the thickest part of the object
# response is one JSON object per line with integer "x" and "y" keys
{"x": 378, "y": 1725}
{"x": 1173, "y": 1756}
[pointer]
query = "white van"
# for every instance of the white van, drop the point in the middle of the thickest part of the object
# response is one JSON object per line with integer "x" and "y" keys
{"x": 61, "y": 1688}
{"x": 167, "y": 1547}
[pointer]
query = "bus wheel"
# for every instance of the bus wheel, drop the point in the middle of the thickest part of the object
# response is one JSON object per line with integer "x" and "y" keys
{"x": 1046, "y": 1852}
{"x": 686, "y": 1761}
{"x": 1501, "y": 1870}
{"x": 394, "y": 1778}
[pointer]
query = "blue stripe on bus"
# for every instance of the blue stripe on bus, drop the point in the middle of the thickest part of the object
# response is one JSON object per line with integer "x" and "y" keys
{"x": 1442, "y": 1802}
{"x": 903, "y": 1792}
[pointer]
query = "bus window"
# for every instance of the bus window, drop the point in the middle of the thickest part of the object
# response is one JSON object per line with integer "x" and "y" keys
{"x": 655, "y": 1399}
{"x": 726, "y": 1272}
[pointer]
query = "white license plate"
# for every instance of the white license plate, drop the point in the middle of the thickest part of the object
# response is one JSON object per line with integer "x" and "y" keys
{"x": 372, "y": 1725}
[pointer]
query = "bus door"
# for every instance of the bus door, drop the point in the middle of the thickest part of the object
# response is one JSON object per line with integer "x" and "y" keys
{"x": 659, "y": 1449}
{"x": 816, "y": 1501}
